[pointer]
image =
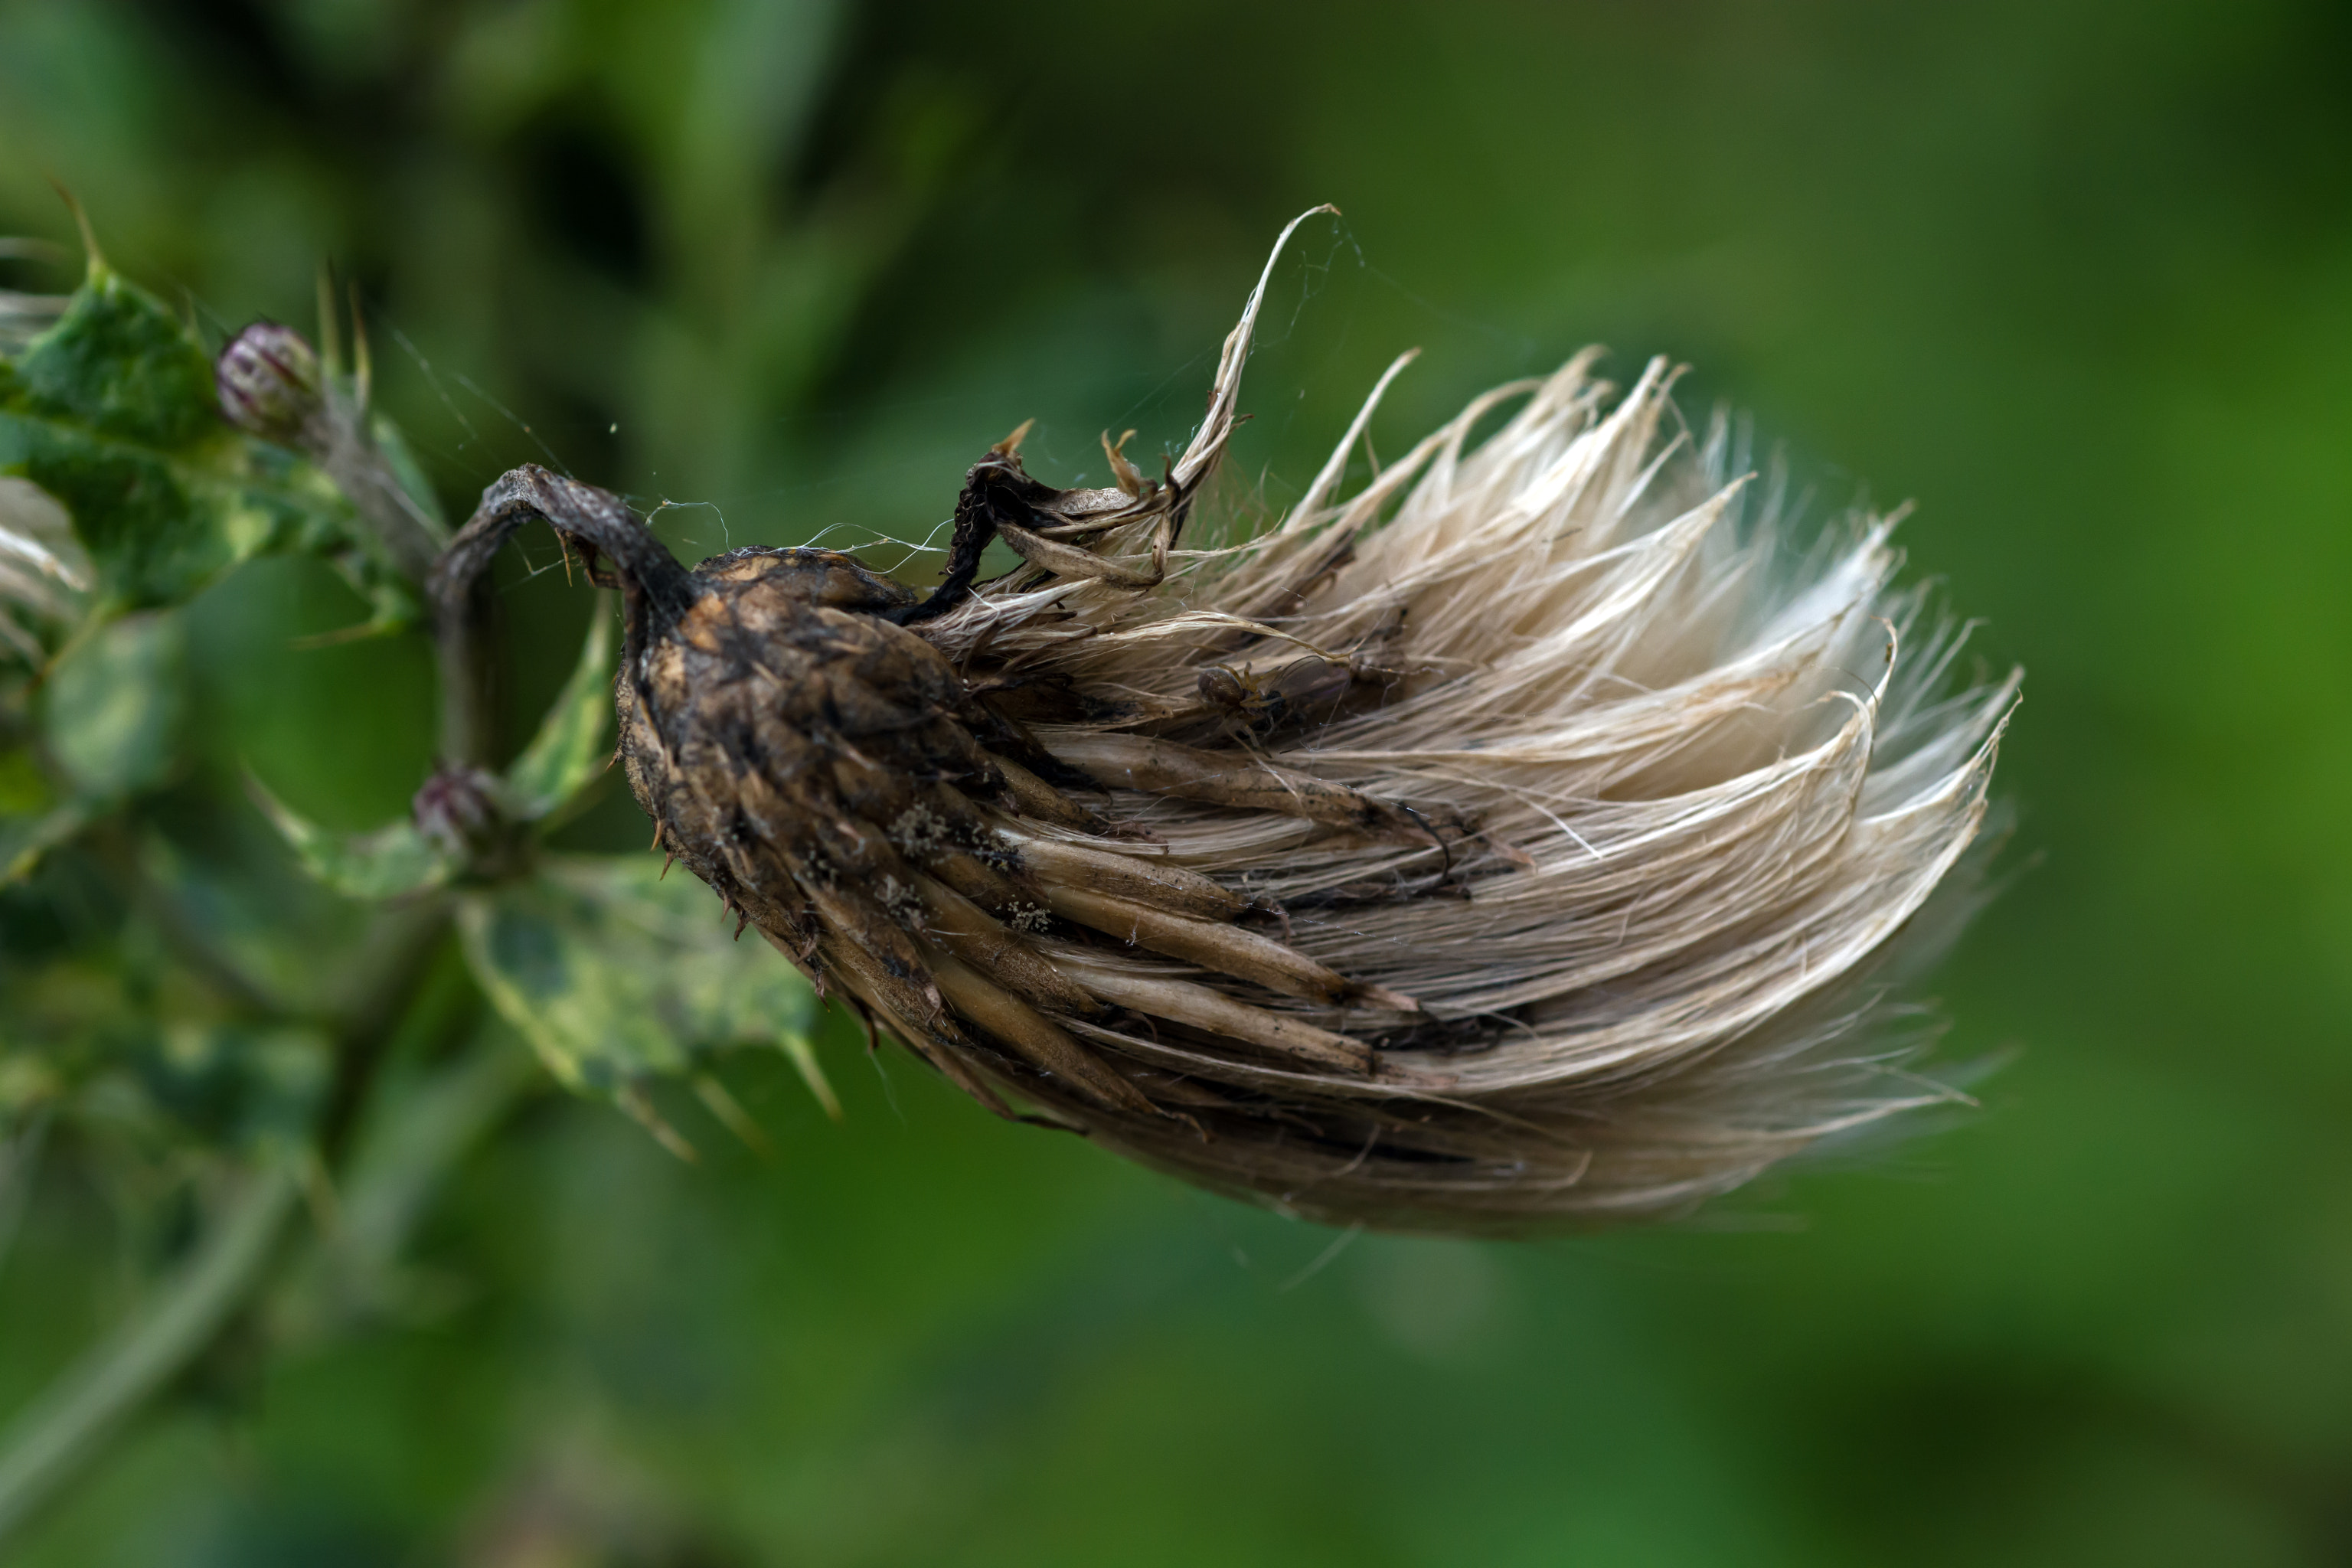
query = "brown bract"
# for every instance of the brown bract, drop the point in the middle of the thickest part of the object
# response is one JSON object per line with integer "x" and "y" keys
{"x": 1510, "y": 844}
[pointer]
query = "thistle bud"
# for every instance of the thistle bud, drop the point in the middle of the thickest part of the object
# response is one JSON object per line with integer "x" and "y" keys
{"x": 270, "y": 383}
{"x": 457, "y": 811}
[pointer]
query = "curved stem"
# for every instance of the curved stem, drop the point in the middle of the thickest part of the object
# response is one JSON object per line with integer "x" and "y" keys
{"x": 461, "y": 630}
{"x": 68, "y": 1422}
{"x": 655, "y": 590}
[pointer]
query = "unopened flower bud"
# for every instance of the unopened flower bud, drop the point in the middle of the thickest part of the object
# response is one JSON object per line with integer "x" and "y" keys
{"x": 270, "y": 383}
{"x": 457, "y": 810}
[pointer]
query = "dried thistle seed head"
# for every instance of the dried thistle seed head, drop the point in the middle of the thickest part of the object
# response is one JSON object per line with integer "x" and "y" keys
{"x": 270, "y": 383}
{"x": 1507, "y": 845}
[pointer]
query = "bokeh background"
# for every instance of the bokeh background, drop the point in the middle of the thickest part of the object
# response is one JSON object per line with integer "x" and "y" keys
{"x": 2077, "y": 277}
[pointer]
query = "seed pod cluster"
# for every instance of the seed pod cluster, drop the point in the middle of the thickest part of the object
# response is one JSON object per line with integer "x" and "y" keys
{"x": 1510, "y": 844}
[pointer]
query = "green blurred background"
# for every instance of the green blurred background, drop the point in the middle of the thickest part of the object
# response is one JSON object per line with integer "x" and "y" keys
{"x": 2076, "y": 277}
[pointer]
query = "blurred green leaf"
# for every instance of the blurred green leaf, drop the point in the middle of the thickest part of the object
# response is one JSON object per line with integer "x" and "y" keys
{"x": 569, "y": 750}
{"x": 32, "y": 819}
{"x": 615, "y": 975}
{"x": 112, "y": 411}
{"x": 239, "y": 1084}
{"x": 393, "y": 860}
{"x": 28, "y": 1080}
{"x": 221, "y": 877}
{"x": 114, "y": 708}
{"x": 24, "y": 840}
{"x": 23, "y": 791}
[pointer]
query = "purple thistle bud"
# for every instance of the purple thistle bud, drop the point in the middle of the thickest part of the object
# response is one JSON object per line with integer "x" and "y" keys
{"x": 457, "y": 810}
{"x": 271, "y": 385}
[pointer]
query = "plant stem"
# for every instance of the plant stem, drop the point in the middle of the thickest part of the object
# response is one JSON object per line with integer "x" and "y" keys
{"x": 461, "y": 636}
{"x": 69, "y": 1422}
{"x": 20, "y": 1151}
{"x": 400, "y": 1163}
{"x": 400, "y": 951}
{"x": 348, "y": 452}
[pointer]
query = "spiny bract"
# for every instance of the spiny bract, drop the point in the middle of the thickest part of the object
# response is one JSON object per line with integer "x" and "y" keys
{"x": 1518, "y": 841}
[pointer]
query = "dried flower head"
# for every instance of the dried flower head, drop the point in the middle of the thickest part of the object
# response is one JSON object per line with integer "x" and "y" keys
{"x": 1519, "y": 840}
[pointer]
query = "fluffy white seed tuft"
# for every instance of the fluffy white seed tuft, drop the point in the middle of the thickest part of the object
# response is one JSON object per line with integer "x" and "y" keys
{"x": 1729, "y": 779}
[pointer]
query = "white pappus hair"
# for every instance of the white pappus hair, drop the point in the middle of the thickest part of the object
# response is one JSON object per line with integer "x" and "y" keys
{"x": 1729, "y": 780}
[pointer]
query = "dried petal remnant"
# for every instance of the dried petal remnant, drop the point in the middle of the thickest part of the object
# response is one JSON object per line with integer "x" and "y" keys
{"x": 1507, "y": 845}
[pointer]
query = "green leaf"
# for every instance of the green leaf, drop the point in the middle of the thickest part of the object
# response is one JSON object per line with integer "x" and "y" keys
{"x": 393, "y": 861}
{"x": 24, "y": 840}
{"x": 24, "y": 792}
{"x": 113, "y": 706}
{"x": 112, "y": 411}
{"x": 119, "y": 365}
{"x": 239, "y": 1084}
{"x": 85, "y": 1036}
{"x": 569, "y": 748}
{"x": 29, "y": 1081}
{"x": 615, "y": 975}
{"x": 110, "y": 720}
{"x": 262, "y": 918}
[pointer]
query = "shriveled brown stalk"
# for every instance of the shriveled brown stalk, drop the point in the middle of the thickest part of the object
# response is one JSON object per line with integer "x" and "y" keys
{"x": 1518, "y": 841}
